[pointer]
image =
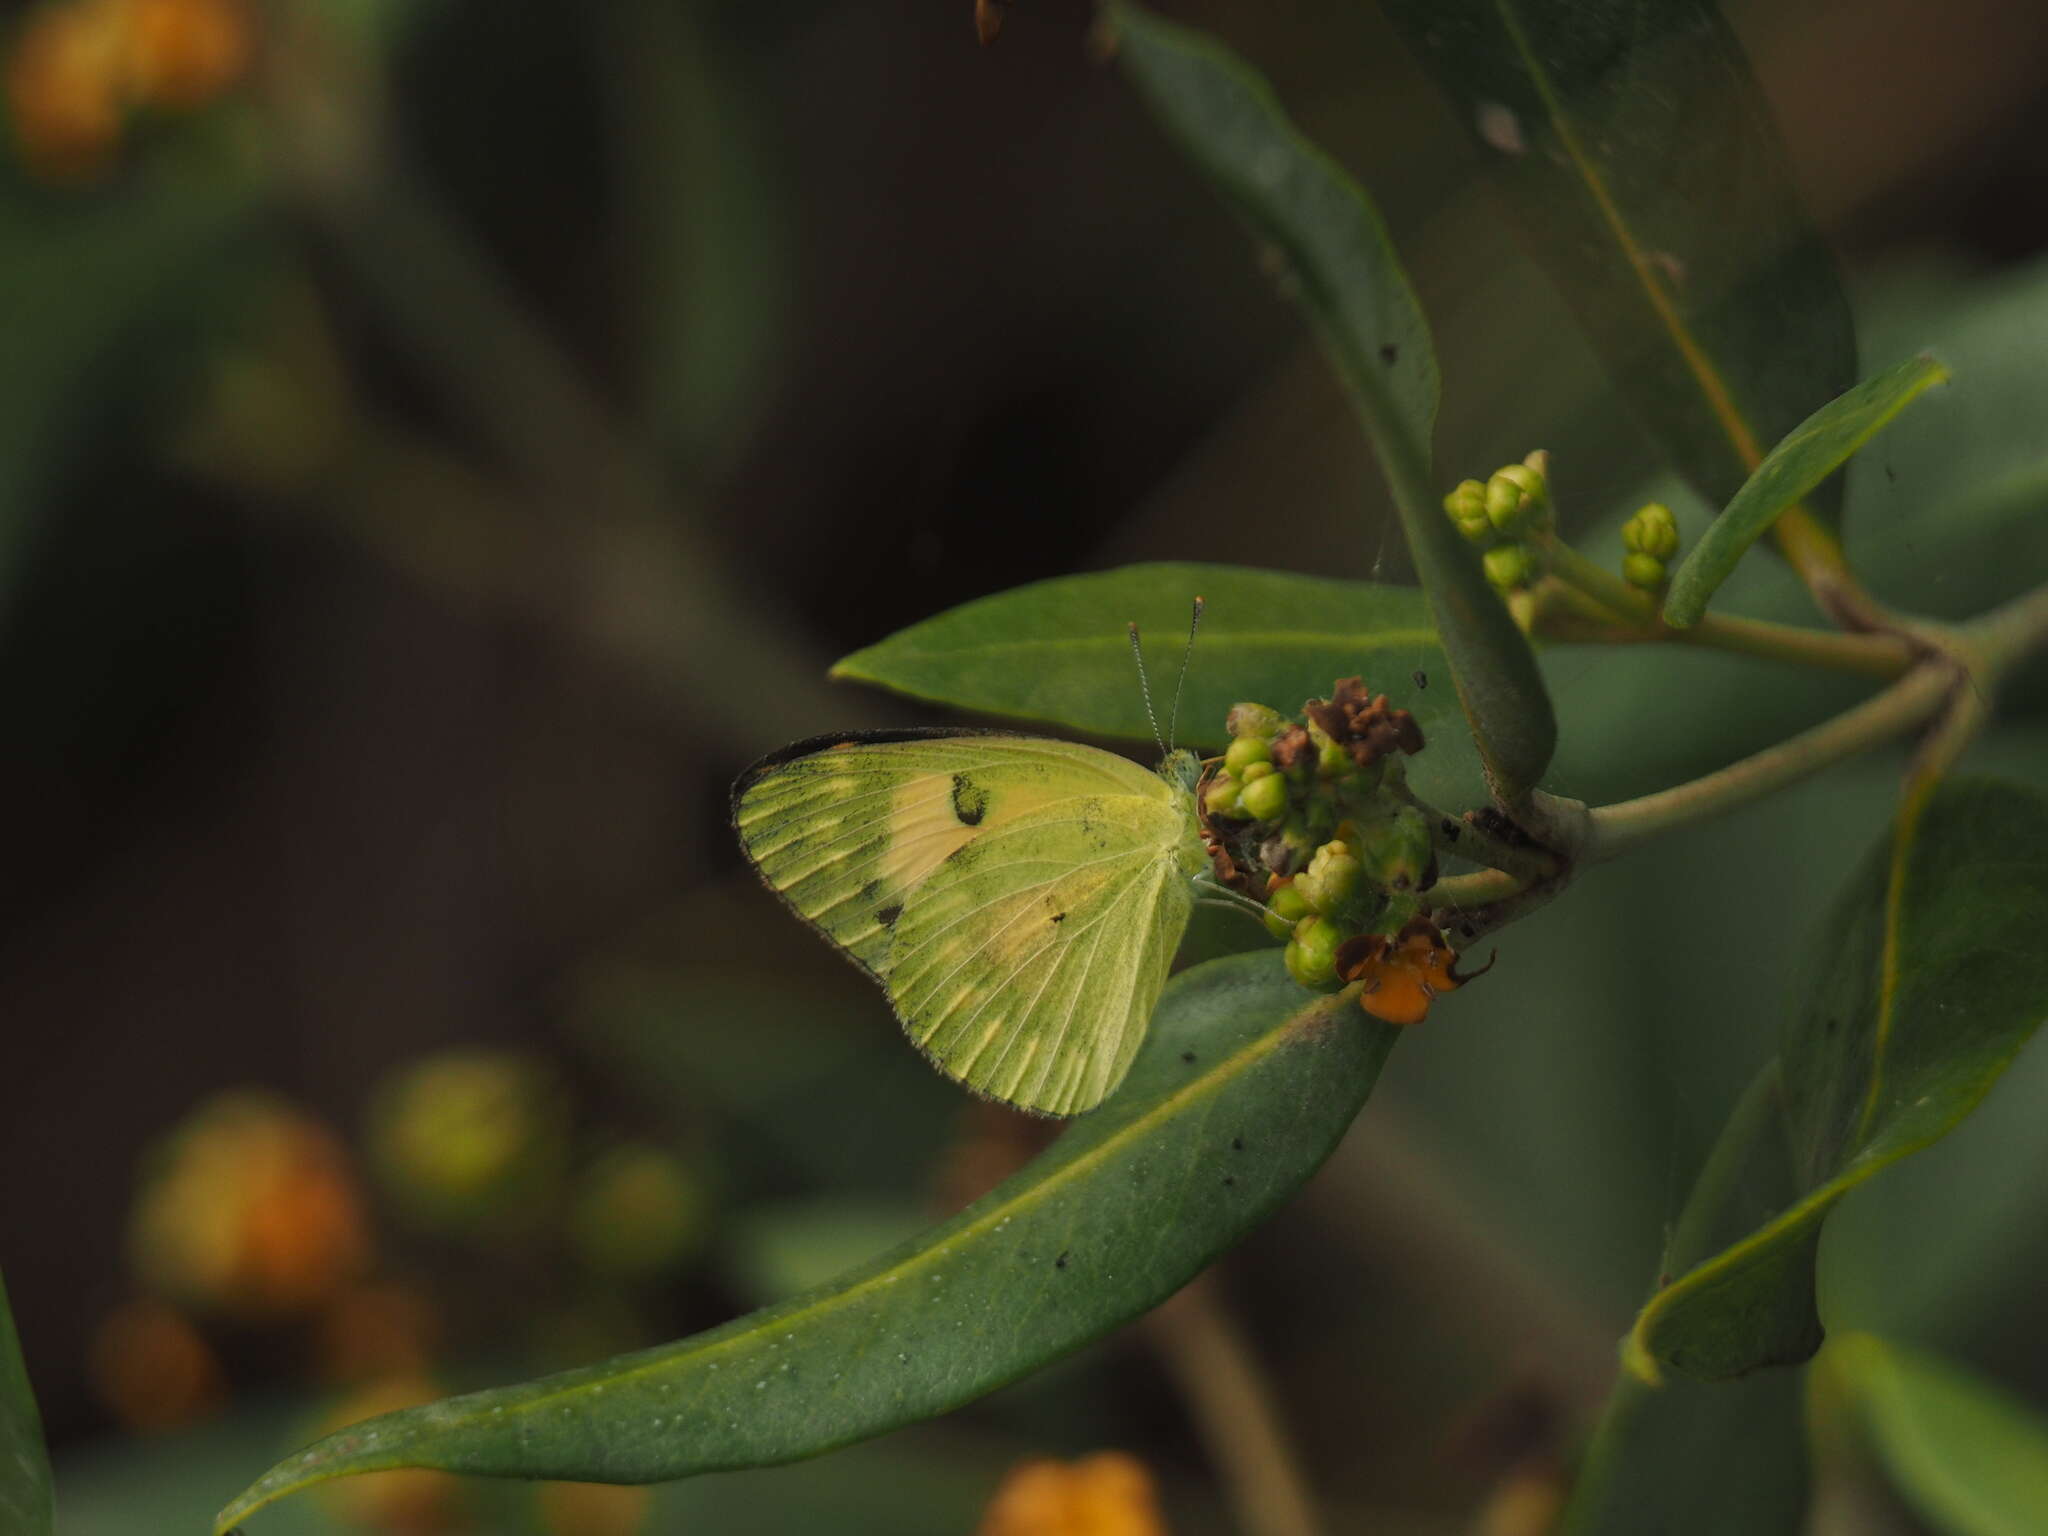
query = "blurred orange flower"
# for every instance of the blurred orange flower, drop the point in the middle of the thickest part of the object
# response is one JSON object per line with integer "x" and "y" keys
{"x": 250, "y": 1208}
{"x": 593, "y": 1509}
{"x": 1107, "y": 1494}
{"x": 153, "y": 1370}
{"x": 77, "y": 68}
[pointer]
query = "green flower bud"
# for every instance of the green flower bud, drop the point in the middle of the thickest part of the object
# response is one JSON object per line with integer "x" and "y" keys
{"x": 1311, "y": 956}
{"x": 1652, "y": 531}
{"x": 1645, "y": 571}
{"x": 1517, "y": 500}
{"x": 1244, "y": 751}
{"x": 1466, "y": 507}
{"x": 1264, "y": 798}
{"x": 1395, "y": 848}
{"x": 1222, "y": 798}
{"x": 1253, "y": 720}
{"x": 1332, "y": 761}
{"x": 1289, "y": 903}
{"x": 640, "y": 1214}
{"x": 1509, "y": 566}
{"x": 1284, "y": 908}
{"x": 1252, "y": 772}
{"x": 1331, "y": 878}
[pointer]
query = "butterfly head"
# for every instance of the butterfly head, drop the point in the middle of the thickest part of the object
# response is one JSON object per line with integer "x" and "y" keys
{"x": 1182, "y": 767}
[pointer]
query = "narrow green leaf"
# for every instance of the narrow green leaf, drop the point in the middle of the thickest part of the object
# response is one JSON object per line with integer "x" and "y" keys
{"x": 25, "y": 1499}
{"x": 1931, "y": 976}
{"x": 1058, "y": 651}
{"x": 1971, "y": 1459}
{"x": 1686, "y": 1457}
{"x": 1639, "y": 159}
{"x": 1243, "y": 1088}
{"x": 1291, "y": 194}
{"x": 1814, "y": 450}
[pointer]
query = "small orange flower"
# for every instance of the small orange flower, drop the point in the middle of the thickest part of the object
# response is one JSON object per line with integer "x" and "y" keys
{"x": 153, "y": 1370}
{"x": 1107, "y": 1494}
{"x": 184, "y": 53}
{"x": 1403, "y": 974}
{"x": 63, "y": 81}
{"x": 250, "y": 1208}
{"x": 75, "y": 69}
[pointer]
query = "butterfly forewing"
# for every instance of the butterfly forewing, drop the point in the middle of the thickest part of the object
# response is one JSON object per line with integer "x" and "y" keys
{"x": 938, "y": 861}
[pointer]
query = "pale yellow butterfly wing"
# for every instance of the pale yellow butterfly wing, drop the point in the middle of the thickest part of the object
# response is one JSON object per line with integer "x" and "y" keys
{"x": 1020, "y": 898}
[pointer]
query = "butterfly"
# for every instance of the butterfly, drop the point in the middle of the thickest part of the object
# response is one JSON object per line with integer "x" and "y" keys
{"x": 1019, "y": 898}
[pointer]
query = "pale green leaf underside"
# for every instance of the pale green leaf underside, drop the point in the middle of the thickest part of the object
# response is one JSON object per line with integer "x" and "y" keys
{"x": 1931, "y": 977}
{"x": 1972, "y": 1460}
{"x": 1019, "y": 898}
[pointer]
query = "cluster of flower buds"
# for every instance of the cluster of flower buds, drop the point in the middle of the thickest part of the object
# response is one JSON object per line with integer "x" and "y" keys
{"x": 1500, "y": 514}
{"x": 1309, "y": 816}
{"x": 1651, "y": 539}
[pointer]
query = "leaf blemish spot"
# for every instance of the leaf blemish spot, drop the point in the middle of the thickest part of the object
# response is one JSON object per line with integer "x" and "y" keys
{"x": 1060, "y": 1262}
{"x": 1188, "y": 1057}
{"x": 1237, "y": 1143}
{"x": 1389, "y": 353}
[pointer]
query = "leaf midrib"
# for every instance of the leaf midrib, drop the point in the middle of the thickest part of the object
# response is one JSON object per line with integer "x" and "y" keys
{"x": 1288, "y": 639}
{"x": 1226, "y": 1070}
{"x": 1718, "y": 396}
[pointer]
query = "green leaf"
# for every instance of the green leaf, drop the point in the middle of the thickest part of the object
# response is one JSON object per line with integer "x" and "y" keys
{"x": 1686, "y": 1457}
{"x": 1640, "y": 162}
{"x": 1970, "y": 1459}
{"x": 1243, "y": 1088}
{"x": 1813, "y": 451}
{"x": 1228, "y": 122}
{"x": 25, "y": 1500}
{"x": 1058, "y": 651}
{"x": 1931, "y": 977}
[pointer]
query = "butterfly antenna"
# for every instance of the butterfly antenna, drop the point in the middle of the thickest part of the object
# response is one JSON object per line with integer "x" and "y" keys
{"x": 1145, "y": 688}
{"x": 1173, "y": 715}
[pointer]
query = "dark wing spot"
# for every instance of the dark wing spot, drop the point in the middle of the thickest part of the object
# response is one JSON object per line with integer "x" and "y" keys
{"x": 887, "y": 916}
{"x": 970, "y": 800}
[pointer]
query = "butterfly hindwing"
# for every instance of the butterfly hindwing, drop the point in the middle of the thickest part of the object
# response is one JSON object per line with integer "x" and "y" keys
{"x": 1028, "y": 964}
{"x": 1020, "y": 898}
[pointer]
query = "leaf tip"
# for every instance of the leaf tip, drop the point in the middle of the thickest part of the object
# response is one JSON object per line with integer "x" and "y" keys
{"x": 1637, "y": 1360}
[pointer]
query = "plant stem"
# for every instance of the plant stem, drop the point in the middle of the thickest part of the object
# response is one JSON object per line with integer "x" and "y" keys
{"x": 1220, "y": 1379}
{"x": 1466, "y": 839}
{"x": 2009, "y": 632}
{"x": 1869, "y": 655}
{"x": 1907, "y": 703}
